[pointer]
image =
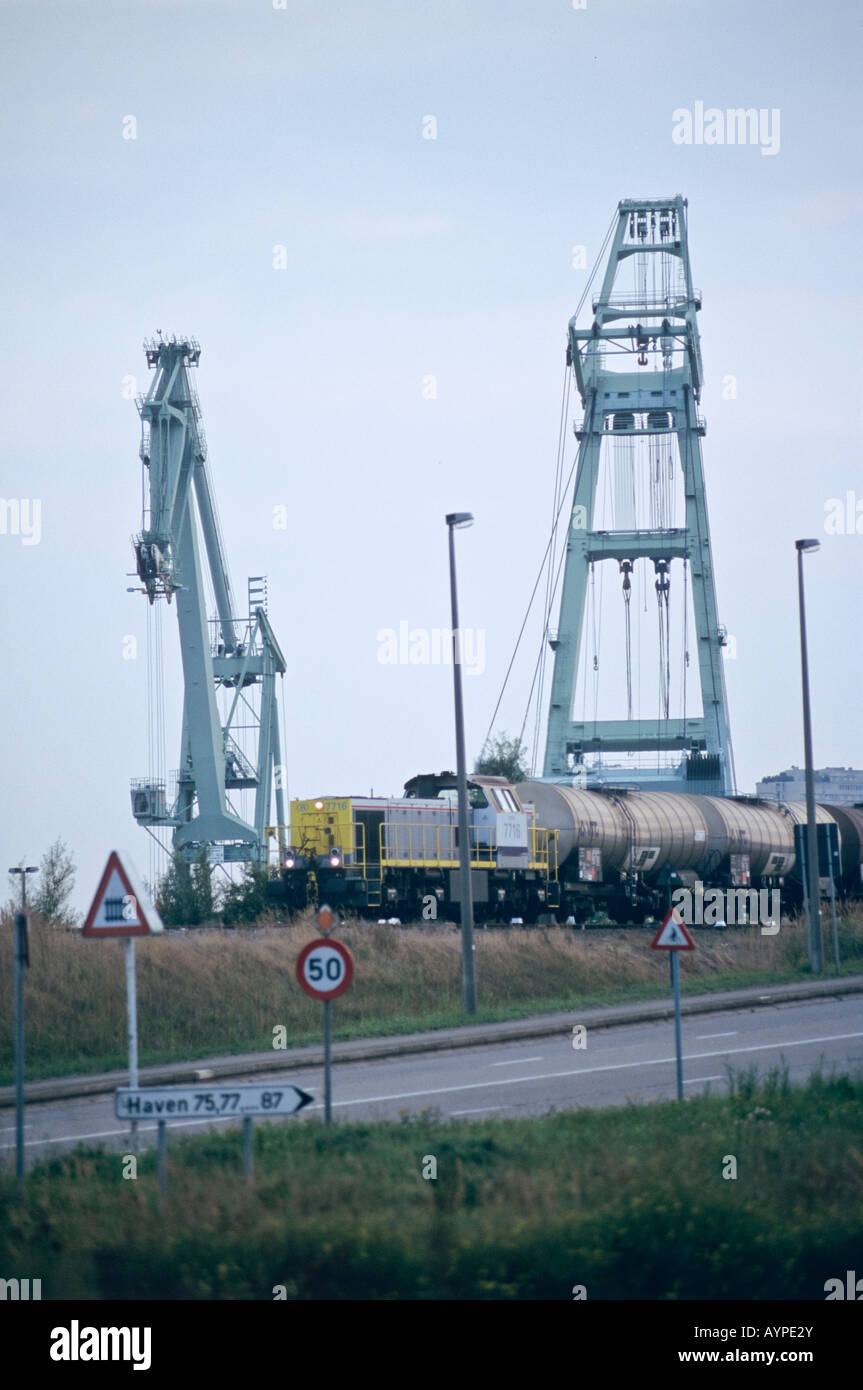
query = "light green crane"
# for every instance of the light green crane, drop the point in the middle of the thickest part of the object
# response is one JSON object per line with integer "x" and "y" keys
{"x": 240, "y": 653}
{"x": 639, "y": 374}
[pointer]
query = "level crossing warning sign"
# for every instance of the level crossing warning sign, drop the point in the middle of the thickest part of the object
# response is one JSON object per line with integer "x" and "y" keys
{"x": 121, "y": 906}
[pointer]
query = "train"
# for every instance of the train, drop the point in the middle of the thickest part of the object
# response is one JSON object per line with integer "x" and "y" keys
{"x": 546, "y": 853}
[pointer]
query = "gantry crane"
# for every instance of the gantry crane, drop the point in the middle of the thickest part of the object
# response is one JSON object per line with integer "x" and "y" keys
{"x": 639, "y": 375}
{"x": 233, "y": 653}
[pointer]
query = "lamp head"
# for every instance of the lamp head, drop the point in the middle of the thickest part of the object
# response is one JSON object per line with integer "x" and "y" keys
{"x": 458, "y": 520}
{"x": 807, "y": 545}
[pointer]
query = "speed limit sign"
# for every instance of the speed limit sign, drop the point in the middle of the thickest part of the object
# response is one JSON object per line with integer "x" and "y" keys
{"x": 325, "y": 968}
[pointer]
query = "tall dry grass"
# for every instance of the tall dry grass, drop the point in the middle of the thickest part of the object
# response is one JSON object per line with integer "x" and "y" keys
{"x": 212, "y": 991}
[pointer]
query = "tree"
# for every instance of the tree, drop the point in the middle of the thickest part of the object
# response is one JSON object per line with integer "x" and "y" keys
{"x": 503, "y": 757}
{"x": 55, "y": 885}
{"x": 246, "y": 900}
{"x": 180, "y": 897}
{"x": 202, "y": 884}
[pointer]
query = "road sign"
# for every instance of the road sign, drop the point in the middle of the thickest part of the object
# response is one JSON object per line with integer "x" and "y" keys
{"x": 121, "y": 906}
{"x": 672, "y": 934}
{"x": 325, "y": 968}
{"x": 673, "y": 937}
{"x": 326, "y": 918}
{"x": 202, "y": 1102}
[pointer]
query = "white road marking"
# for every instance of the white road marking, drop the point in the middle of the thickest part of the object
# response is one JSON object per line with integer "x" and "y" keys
{"x": 702, "y": 1037}
{"x": 102, "y": 1134}
{"x": 694, "y": 1080}
{"x": 584, "y": 1071}
{"x": 516, "y": 1061}
{"x": 484, "y": 1085}
{"x": 111, "y": 1133}
{"x": 477, "y": 1110}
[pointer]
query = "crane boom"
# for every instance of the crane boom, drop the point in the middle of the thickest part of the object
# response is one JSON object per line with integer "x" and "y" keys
{"x": 242, "y": 653}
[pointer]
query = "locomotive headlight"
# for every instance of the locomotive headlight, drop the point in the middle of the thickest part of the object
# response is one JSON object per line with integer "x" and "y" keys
{"x": 290, "y": 859}
{"x": 335, "y": 859}
{"x": 319, "y": 805}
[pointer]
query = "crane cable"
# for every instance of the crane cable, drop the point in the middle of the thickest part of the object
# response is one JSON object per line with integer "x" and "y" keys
{"x": 536, "y": 668}
{"x": 663, "y": 586}
{"x": 561, "y": 493}
{"x": 685, "y": 661}
{"x": 529, "y": 606}
{"x": 549, "y": 595}
{"x": 626, "y": 567}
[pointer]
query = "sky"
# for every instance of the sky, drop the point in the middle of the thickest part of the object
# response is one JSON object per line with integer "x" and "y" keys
{"x": 366, "y": 213}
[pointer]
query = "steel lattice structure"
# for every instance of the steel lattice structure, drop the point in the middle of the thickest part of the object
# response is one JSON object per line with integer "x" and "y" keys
{"x": 179, "y": 511}
{"x": 650, "y": 331}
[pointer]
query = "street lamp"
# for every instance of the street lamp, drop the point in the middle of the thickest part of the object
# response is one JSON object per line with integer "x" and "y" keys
{"x": 813, "y": 891}
{"x": 19, "y": 869}
{"x": 456, "y": 521}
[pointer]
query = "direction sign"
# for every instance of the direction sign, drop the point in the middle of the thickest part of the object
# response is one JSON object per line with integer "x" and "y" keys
{"x": 121, "y": 906}
{"x": 220, "y": 1102}
{"x": 325, "y": 968}
{"x": 672, "y": 934}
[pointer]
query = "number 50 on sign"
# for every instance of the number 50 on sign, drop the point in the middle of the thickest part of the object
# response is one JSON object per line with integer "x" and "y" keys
{"x": 325, "y": 968}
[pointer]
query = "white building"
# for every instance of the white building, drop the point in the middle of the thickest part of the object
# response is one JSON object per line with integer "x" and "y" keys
{"x": 838, "y": 786}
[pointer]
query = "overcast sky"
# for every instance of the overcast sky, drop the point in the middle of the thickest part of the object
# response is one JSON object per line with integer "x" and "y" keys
{"x": 158, "y": 153}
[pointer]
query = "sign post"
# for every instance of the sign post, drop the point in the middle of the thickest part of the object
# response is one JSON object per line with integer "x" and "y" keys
{"x": 247, "y": 1149}
{"x": 132, "y": 1021}
{"x": 21, "y": 952}
{"x": 121, "y": 907}
{"x": 22, "y": 958}
{"x": 325, "y": 969}
{"x": 328, "y": 1067}
{"x": 217, "y": 1102}
{"x": 672, "y": 937}
{"x": 162, "y": 1162}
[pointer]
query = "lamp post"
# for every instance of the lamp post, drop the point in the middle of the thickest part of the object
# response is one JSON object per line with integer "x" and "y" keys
{"x": 813, "y": 891}
{"x": 19, "y": 869}
{"x": 454, "y": 521}
{"x": 20, "y": 959}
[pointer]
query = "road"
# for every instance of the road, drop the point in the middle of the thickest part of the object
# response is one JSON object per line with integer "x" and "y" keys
{"x": 630, "y": 1063}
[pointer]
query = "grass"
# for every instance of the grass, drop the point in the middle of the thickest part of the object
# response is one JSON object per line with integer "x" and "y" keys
{"x": 223, "y": 992}
{"x": 629, "y": 1202}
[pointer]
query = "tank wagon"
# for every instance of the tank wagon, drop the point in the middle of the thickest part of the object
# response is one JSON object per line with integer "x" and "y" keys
{"x": 543, "y": 851}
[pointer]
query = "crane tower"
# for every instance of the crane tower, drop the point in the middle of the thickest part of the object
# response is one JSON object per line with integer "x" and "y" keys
{"x": 231, "y": 653}
{"x": 639, "y": 375}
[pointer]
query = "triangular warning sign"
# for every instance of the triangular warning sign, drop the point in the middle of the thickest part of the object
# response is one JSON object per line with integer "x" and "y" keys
{"x": 121, "y": 906}
{"x": 672, "y": 934}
